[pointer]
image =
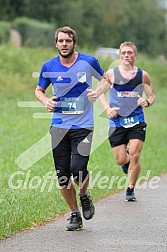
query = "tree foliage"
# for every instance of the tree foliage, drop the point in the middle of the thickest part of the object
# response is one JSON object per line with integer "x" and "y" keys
{"x": 100, "y": 23}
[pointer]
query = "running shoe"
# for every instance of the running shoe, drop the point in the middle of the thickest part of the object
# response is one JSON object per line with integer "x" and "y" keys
{"x": 75, "y": 222}
{"x": 88, "y": 208}
{"x": 130, "y": 195}
{"x": 125, "y": 167}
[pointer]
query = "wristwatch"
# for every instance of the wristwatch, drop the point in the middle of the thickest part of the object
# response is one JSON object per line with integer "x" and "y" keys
{"x": 148, "y": 104}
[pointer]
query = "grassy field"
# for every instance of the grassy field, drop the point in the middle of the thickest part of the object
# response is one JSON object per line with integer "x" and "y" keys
{"x": 29, "y": 194}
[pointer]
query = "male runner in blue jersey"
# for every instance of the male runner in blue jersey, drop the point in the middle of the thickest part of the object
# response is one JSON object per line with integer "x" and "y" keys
{"x": 70, "y": 74}
{"x": 125, "y": 112}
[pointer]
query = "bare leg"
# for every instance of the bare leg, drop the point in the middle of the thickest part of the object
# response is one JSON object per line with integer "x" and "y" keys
{"x": 122, "y": 157}
{"x": 75, "y": 220}
{"x": 135, "y": 147}
{"x": 84, "y": 185}
{"x": 69, "y": 194}
{"x": 120, "y": 154}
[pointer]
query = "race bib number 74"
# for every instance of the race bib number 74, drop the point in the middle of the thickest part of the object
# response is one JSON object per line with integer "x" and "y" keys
{"x": 72, "y": 105}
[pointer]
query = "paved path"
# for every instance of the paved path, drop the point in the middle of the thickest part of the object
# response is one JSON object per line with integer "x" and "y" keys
{"x": 117, "y": 226}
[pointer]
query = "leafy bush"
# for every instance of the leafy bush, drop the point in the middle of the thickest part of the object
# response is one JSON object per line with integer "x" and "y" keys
{"x": 35, "y": 33}
{"x": 4, "y": 31}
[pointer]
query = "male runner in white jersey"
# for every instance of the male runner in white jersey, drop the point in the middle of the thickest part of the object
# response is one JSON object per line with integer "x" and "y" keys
{"x": 70, "y": 74}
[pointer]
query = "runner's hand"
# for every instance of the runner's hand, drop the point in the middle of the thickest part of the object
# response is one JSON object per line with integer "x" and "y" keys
{"x": 51, "y": 103}
{"x": 92, "y": 95}
{"x": 142, "y": 102}
{"x": 112, "y": 112}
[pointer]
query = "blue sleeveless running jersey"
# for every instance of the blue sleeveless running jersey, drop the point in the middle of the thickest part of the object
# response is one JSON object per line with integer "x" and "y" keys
{"x": 124, "y": 96}
{"x": 70, "y": 85}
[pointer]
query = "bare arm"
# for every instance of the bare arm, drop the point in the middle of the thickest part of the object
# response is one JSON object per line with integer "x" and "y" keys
{"x": 148, "y": 91}
{"x": 111, "y": 112}
{"x": 103, "y": 87}
{"x": 49, "y": 103}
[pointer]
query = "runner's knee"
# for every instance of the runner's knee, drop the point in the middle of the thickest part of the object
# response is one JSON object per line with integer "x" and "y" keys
{"x": 79, "y": 168}
{"x": 63, "y": 178}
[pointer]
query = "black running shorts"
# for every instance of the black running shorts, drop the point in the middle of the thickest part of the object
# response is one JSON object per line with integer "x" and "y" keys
{"x": 122, "y": 135}
{"x": 71, "y": 150}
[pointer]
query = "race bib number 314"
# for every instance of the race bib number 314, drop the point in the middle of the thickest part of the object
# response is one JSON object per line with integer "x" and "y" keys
{"x": 129, "y": 121}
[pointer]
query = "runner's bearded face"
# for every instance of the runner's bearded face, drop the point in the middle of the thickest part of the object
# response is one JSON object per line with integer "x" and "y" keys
{"x": 65, "y": 45}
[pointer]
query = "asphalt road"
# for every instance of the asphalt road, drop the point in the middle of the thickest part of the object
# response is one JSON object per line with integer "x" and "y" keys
{"x": 117, "y": 226}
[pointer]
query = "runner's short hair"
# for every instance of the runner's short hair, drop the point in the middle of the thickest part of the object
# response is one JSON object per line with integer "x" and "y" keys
{"x": 66, "y": 29}
{"x": 129, "y": 43}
